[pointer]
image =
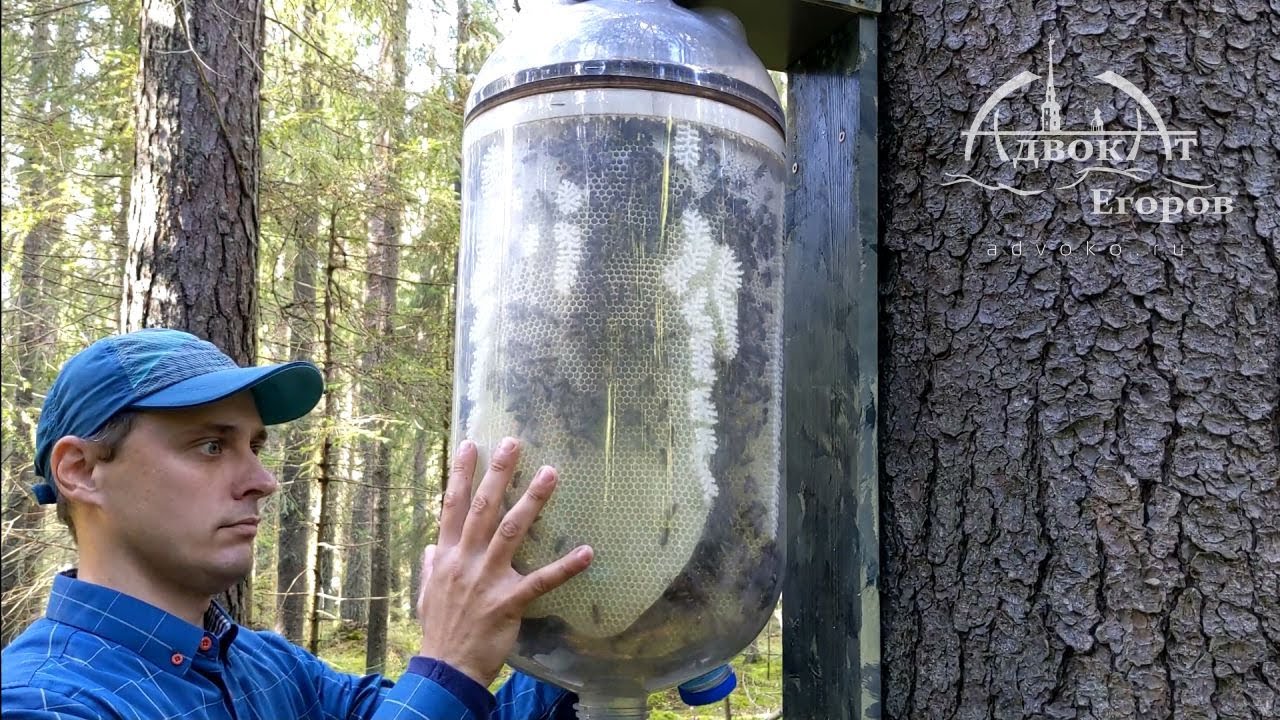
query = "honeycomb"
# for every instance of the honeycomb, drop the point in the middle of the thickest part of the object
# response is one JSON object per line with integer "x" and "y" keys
{"x": 621, "y": 313}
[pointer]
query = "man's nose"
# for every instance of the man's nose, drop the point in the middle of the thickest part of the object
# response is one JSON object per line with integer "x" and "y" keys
{"x": 257, "y": 480}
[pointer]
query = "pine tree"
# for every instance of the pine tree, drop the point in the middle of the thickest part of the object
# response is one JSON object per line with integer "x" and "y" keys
{"x": 193, "y": 221}
{"x": 385, "y": 236}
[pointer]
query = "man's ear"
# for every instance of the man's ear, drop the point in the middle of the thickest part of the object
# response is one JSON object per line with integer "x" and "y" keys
{"x": 72, "y": 461}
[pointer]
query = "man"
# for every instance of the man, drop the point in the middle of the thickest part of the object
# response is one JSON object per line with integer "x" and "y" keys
{"x": 148, "y": 442}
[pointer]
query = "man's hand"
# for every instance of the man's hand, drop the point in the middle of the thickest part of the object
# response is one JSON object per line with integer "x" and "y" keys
{"x": 471, "y": 599}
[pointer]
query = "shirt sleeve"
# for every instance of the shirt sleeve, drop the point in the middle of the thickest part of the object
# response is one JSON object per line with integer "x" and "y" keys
{"x": 30, "y": 703}
{"x": 432, "y": 689}
{"x": 522, "y": 697}
{"x": 375, "y": 697}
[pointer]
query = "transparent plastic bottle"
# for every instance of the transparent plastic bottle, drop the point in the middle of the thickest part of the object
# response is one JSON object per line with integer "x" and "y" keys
{"x": 620, "y": 311}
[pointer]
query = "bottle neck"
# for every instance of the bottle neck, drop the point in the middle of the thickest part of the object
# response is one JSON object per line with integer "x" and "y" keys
{"x": 591, "y": 708}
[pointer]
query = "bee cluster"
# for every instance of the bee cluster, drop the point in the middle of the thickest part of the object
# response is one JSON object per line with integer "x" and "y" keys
{"x": 620, "y": 296}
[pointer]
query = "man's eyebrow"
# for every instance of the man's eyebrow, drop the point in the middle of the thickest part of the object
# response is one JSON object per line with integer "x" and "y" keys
{"x": 225, "y": 430}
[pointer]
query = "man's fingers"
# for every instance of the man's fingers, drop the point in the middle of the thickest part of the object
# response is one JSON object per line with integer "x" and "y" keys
{"x": 486, "y": 503}
{"x": 457, "y": 497}
{"x": 428, "y": 562}
{"x": 548, "y": 578}
{"x": 515, "y": 525}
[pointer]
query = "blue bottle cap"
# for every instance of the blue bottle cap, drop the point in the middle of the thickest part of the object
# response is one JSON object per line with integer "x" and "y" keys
{"x": 709, "y": 688}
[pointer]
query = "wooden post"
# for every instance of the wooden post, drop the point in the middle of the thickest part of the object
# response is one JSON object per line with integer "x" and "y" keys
{"x": 831, "y": 609}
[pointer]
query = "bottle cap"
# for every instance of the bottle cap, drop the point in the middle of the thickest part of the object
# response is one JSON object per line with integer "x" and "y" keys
{"x": 709, "y": 688}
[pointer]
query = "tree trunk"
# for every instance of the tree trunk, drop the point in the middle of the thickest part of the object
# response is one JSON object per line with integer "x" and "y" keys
{"x": 22, "y": 516}
{"x": 466, "y": 67}
{"x": 1081, "y": 514}
{"x": 295, "y": 512}
{"x": 193, "y": 220}
{"x": 120, "y": 227}
{"x": 380, "y": 562}
{"x": 396, "y": 498}
{"x": 418, "y": 524}
{"x": 465, "y": 62}
{"x": 323, "y": 588}
{"x": 384, "y": 235}
{"x": 443, "y": 456}
{"x": 122, "y": 143}
{"x": 295, "y": 503}
{"x": 355, "y": 549}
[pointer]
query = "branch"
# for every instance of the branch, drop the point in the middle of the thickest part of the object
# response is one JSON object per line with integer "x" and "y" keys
{"x": 47, "y": 11}
{"x": 304, "y": 40}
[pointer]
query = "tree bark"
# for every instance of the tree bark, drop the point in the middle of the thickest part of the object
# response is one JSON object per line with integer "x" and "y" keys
{"x": 22, "y": 516}
{"x": 384, "y": 234}
{"x": 1079, "y": 454}
{"x": 193, "y": 219}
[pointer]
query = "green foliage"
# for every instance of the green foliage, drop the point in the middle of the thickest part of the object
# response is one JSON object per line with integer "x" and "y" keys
{"x": 68, "y": 72}
{"x": 66, "y": 115}
{"x": 67, "y": 135}
{"x": 343, "y": 647}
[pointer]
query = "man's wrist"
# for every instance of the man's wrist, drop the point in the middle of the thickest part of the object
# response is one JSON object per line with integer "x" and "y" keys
{"x": 464, "y": 668}
{"x": 462, "y": 685}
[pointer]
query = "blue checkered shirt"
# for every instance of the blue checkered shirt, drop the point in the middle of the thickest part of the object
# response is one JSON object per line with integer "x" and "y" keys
{"x": 100, "y": 654}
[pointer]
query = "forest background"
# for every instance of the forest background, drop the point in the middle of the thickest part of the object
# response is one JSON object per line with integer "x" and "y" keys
{"x": 348, "y": 195}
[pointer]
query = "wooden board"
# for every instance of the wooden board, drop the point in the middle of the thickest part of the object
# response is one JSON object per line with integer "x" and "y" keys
{"x": 831, "y": 621}
{"x": 783, "y": 31}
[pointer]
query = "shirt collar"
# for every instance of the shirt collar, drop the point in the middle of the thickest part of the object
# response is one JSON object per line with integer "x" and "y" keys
{"x": 161, "y": 637}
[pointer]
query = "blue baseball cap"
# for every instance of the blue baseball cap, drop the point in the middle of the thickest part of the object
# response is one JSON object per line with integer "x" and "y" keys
{"x": 158, "y": 369}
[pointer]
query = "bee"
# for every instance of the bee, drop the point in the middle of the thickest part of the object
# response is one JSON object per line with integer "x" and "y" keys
{"x": 664, "y": 535}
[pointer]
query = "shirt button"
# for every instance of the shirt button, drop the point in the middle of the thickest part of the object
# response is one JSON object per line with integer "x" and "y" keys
{"x": 206, "y": 642}
{"x": 177, "y": 659}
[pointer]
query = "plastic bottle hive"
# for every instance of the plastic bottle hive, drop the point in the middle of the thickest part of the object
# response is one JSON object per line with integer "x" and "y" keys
{"x": 619, "y": 310}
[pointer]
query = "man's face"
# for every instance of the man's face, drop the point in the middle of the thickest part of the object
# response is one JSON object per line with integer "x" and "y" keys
{"x": 180, "y": 497}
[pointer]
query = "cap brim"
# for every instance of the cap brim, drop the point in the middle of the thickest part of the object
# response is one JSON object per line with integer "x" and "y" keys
{"x": 282, "y": 392}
